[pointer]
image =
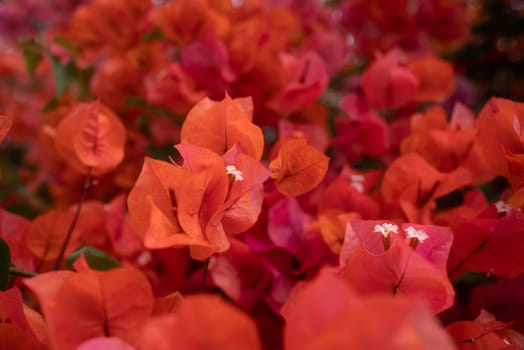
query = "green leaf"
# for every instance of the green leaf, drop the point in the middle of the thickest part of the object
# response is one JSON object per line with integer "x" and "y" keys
{"x": 64, "y": 74}
{"x": 68, "y": 45}
{"x": 5, "y": 264}
{"x": 32, "y": 53}
{"x": 96, "y": 258}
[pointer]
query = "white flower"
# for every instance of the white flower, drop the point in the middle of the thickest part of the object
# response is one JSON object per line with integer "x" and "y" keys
{"x": 232, "y": 170}
{"x": 386, "y": 228}
{"x": 357, "y": 182}
{"x": 412, "y": 232}
{"x": 502, "y": 207}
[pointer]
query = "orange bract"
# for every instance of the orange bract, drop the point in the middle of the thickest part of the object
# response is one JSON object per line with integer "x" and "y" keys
{"x": 91, "y": 137}
{"x": 429, "y": 87}
{"x": 298, "y": 168}
{"x": 219, "y": 125}
{"x": 83, "y": 305}
{"x": 202, "y": 322}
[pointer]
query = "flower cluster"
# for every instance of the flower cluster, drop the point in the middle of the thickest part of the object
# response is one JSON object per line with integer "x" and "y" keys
{"x": 248, "y": 174}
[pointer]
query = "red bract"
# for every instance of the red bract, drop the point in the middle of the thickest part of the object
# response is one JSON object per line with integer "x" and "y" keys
{"x": 498, "y": 131}
{"x": 444, "y": 145}
{"x": 344, "y": 321}
{"x": 388, "y": 84}
{"x": 412, "y": 184}
{"x": 15, "y": 331}
{"x": 362, "y": 132}
{"x": 430, "y": 89}
{"x": 485, "y": 332}
{"x": 202, "y": 322}
{"x": 375, "y": 259}
{"x": 173, "y": 88}
{"x": 185, "y": 21}
{"x": 240, "y": 274}
{"x": 207, "y": 62}
{"x": 306, "y": 80}
{"x": 491, "y": 245}
{"x": 114, "y": 303}
{"x": 91, "y": 137}
{"x": 14, "y": 229}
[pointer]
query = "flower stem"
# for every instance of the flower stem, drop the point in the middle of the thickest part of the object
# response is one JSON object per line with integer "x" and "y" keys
{"x": 386, "y": 241}
{"x": 20, "y": 272}
{"x": 71, "y": 228}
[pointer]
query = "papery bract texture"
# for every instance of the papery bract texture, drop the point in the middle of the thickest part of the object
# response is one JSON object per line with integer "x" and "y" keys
{"x": 114, "y": 303}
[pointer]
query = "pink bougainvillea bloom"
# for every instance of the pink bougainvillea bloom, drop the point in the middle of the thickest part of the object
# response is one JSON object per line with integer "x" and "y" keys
{"x": 388, "y": 84}
{"x": 326, "y": 313}
{"x": 378, "y": 257}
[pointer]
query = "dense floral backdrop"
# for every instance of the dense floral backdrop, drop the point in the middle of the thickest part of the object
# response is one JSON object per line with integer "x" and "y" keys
{"x": 249, "y": 174}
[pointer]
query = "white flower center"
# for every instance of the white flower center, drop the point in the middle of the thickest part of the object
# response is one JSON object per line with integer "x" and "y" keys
{"x": 357, "y": 181}
{"x": 412, "y": 232}
{"x": 502, "y": 207}
{"x": 237, "y": 174}
{"x": 386, "y": 228}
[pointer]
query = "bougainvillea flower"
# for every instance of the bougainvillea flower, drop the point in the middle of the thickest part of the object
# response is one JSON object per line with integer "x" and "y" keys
{"x": 490, "y": 245}
{"x": 113, "y": 303}
{"x": 485, "y": 332}
{"x": 168, "y": 204}
{"x": 362, "y": 132}
{"x": 121, "y": 232}
{"x": 498, "y": 131}
{"x": 377, "y": 257}
{"x": 298, "y": 167}
{"x": 443, "y": 145}
{"x": 412, "y": 184}
{"x": 15, "y": 331}
{"x": 430, "y": 89}
{"x": 289, "y": 229}
{"x": 207, "y": 62}
{"x": 125, "y": 81}
{"x": 474, "y": 203}
{"x": 172, "y": 87}
{"x": 101, "y": 23}
{"x": 315, "y": 133}
{"x": 306, "y": 80}
{"x": 349, "y": 192}
{"x": 185, "y": 21}
{"x": 219, "y": 125}
{"x": 91, "y": 137}
{"x": 184, "y": 206}
{"x": 246, "y": 192}
{"x": 202, "y": 322}
{"x": 326, "y": 314}
{"x": 388, "y": 84}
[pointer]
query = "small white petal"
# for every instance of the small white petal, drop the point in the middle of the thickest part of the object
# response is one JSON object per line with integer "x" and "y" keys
{"x": 357, "y": 182}
{"x": 412, "y": 232}
{"x": 232, "y": 170}
{"x": 502, "y": 207}
{"x": 386, "y": 228}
